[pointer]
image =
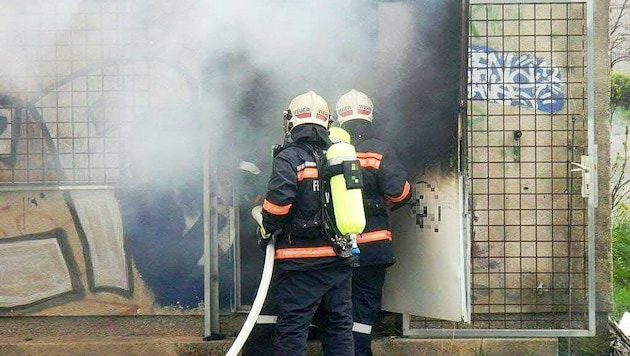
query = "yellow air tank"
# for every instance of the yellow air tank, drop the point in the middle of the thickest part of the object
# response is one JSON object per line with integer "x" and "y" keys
{"x": 346, "y": 182}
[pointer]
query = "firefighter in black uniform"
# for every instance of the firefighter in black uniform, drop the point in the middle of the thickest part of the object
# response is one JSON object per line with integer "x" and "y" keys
{"x": 308, "y": 274}
{"x": 385, "y": 186}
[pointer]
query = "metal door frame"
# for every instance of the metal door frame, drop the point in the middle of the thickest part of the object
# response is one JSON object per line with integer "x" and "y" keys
{"x": 592, "y": 205}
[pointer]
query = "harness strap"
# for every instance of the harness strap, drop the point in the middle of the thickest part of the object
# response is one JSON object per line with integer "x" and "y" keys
{"x": 378, "y": 235}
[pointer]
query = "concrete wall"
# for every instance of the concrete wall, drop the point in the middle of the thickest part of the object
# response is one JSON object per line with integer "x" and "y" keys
{"x": 601, "y": 70}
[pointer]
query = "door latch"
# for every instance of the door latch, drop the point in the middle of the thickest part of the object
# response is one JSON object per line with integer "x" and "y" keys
{"x": 586, "y": 167}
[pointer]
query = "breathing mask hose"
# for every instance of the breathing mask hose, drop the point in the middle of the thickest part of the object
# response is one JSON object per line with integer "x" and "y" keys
{"x": 261, "y": 294}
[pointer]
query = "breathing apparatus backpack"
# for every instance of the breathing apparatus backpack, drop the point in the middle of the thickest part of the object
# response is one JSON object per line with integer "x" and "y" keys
{"x": 343, "y": 173}
{"x": 341, "y": 180}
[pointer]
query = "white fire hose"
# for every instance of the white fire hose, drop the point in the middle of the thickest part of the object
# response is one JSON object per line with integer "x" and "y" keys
{"x": 263, "y": 288}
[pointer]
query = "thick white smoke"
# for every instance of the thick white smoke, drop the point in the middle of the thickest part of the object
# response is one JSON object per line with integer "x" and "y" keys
{"x": 254, "y": 56}
{"x": 141, "y": 86}
{"x": 242, "y": 59}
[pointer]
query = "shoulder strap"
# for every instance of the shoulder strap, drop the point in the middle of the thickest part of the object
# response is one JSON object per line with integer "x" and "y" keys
{"x": 329, "y": 227}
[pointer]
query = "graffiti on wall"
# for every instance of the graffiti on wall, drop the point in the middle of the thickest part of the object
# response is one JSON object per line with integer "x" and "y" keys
{"x": 135, "y": 243}
{"x": 123, "y": 251}
{"x": 514, "y": 79}
{"x": 35, "y": 268}
{"x": 57, "y": 247}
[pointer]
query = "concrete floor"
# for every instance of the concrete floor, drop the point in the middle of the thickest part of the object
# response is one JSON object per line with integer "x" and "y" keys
{"x": 189, "y": 346}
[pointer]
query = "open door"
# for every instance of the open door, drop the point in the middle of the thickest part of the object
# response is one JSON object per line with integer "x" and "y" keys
{"x": 425, "y": 45}
{"x": 430, "y": 275}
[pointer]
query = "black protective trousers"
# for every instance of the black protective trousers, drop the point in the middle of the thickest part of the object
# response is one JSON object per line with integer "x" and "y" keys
{"x": 294, "y": 298}
{"x": 367, "y": 291}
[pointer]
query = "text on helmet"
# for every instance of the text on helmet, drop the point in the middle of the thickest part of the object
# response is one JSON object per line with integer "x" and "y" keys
{"x": 345, "y": 111}
{"x": 364, "y": 109}
{"x": 304, "y": 113}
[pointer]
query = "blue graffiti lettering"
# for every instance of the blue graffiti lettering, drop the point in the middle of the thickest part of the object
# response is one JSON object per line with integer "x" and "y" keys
{"x": 514, "y": 79}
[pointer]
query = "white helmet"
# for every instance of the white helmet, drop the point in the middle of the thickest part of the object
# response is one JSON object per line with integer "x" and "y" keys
{"x": 354, "y": 105}
{"x": 308, "y": 108}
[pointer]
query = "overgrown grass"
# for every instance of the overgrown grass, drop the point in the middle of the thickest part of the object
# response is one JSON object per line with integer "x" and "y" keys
{"x": 621, "y": 300}
{"x": 621, "y": 264}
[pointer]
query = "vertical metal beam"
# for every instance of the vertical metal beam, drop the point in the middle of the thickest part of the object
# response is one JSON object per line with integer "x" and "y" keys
{"x": 210, "y": 238}
{"x": 238, "y": 301}
{"x": 592, "y": 152}
{"x": 206, "y": 242}
{"x": 462, "y": 154}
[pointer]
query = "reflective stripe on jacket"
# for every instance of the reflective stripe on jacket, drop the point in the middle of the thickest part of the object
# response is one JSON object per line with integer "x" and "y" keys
{"x": 304, "y": 252}
{"x": 378, "y": 235}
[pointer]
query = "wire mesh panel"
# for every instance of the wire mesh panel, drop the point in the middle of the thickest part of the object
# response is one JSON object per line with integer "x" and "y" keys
{"x": 526, "y": 124}
{"x": 100, "y": 139}
{"x": 87, "y": 97}
{"x": 65, "y": 108}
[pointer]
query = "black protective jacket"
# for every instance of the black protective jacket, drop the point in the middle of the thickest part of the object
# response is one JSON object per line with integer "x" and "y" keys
{"x": 385, "y": 186}
{"x": 293, "y": 203}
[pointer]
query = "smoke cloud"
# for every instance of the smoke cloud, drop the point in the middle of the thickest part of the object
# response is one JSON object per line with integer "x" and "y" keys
{"x": 241, "y": 62}
{"x": 131, "y": 91}
{"x": 257, "y": 55}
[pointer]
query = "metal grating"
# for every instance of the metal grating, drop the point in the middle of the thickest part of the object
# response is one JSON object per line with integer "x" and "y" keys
{"x": 69, "y": 105}
{"x": 526, "y": 122}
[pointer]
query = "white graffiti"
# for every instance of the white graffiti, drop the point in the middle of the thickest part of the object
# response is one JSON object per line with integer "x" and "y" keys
{"x": 514, "y": 79}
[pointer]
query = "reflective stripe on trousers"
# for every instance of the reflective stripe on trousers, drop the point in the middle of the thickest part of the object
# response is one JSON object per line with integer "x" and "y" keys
{"x": 266, "y": 319}
{"x": 367, "y": 286}
{"x": 362, "y": 328}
